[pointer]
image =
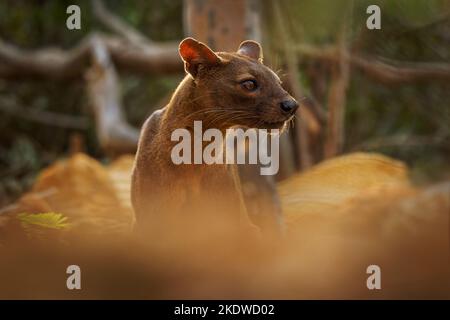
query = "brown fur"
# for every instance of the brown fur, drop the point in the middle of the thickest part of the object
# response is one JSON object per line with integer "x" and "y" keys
{"x": 213, "y": 93}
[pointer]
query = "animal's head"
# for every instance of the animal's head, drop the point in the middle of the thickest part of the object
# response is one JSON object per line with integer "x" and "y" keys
{"x": 237, "y": 89}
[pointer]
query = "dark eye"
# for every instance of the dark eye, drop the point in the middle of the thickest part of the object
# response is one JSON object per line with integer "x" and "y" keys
{"x": 249, "y": 85}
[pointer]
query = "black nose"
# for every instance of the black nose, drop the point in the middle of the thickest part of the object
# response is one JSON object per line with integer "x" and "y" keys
{"x": 289, "y": 105}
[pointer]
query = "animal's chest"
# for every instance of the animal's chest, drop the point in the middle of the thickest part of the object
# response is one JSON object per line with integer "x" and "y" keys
{"x": 211, "y": 188}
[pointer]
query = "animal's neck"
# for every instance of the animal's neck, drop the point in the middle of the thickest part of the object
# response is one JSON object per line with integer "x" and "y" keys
{"x": 189, "y": 103}
{"x": 183, "y": 106}
{"x": 186, "y": 106}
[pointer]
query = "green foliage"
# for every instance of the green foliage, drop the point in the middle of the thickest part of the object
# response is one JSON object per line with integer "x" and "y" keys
{"x": 42, "y": 225}
{"x": 49, "y": 220}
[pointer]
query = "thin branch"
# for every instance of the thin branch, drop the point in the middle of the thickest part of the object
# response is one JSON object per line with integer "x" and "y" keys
{"x": 43, "y": 117}
{"x": 308, "y": 122}
{"x": 58, "y": 64}
{"x": 396, "y": 72}
{"x": 340, "y": 77}
{"x": 384, "y": 70}
{"x": 400, "y": 141}
{"x": 117, "y": 25}
{"x": 47, "y": 63}
{"x": 154, "y": 58}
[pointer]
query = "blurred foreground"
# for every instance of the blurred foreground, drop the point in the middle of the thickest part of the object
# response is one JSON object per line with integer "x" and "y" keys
{"x": 341, "y": 216}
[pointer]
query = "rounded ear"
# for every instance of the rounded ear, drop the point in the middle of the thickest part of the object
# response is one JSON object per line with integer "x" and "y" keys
{"x": 195, "y": 53}
{"x": 251, "y": 49}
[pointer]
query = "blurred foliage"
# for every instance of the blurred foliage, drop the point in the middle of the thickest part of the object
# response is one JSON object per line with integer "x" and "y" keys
{"x": 412, "y": 30}
{"x": 408, "y": 121}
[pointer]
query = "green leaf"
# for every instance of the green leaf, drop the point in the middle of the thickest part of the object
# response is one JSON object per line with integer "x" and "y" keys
{"x": 49, "y": 220}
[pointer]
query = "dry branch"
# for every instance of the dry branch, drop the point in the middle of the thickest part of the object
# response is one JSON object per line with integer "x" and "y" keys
{"x": 400, "y": 141}
{"x": 113, "y": 132}
{"x": 44, "y": 117}
{"x": 57, "y": 64}
{"x": 148, "y": 59}
{"x": 383, "y": 70}
{"x": 117, "y": 25}
{"x": 46, "y": 63}
{"x": 340, "y": 76}
{"x": 396, "y": 72}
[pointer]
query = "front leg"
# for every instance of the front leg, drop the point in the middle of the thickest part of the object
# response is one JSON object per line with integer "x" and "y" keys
{"x": 261, "y": 199}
